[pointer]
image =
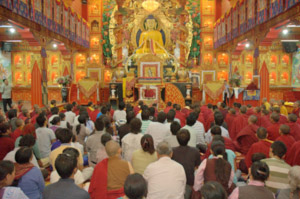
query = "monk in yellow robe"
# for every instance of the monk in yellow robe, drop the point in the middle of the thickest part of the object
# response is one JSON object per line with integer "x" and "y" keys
{"x": 151, "y": 34}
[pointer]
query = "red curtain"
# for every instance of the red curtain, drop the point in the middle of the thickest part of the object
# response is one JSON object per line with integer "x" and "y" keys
{"x": 36, "y": 86}
{"x": 264, "y": 82}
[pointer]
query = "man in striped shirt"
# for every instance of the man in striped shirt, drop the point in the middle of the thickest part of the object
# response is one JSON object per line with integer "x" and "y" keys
{"x": 279, "y": 169}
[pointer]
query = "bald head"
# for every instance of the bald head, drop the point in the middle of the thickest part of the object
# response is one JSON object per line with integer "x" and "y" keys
{"x": 232, "y": 111}
{"x": 252, "y": 119}
{"x": 276, "y": 110}
{"x": 261, "y": 133}
{"x": 112, "y": 148}
{"x": 257, "y": 109}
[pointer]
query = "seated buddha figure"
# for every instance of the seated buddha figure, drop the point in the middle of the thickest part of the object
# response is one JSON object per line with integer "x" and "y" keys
{"x": 151, "y": 34}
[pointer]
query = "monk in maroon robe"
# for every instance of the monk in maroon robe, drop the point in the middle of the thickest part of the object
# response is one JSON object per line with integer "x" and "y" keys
{"x": 294, "y": 127}
{"x": 229, "y": 119}
{"x": 285, "y": 137}
{"x": 262, "y": 146}
{"x": 283, "y": 119}
{"x": 137, "y": 108}
{"x": 206, "y": 110}
{"x": 247, "y": 136}
{"x": 149, "y": 93}
{"x": 179, "y": 115}
{"x": 240, "y": 122}
{"x": 265, "y": 119}
{"x": 252, "y": 86}
{"x": 273, "y": 130}
{"x": 257, "y": 113}
{"x": 250, "y": 110}
{"x": 294, "y": 154}
{"x": 210, "y": 119}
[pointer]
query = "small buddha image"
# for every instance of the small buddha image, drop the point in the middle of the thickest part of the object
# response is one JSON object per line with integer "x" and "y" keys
{"x": 151, "y": 38}
{"x": 149, "y": 93}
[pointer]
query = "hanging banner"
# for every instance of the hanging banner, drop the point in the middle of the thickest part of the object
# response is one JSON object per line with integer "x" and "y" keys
{"x": 84, "y": 42}
{"x": 6, "y": 3}
{"x": 261, "y": 11}
{"x": 223, "y": 30}
{"x": 219, "y": 32}
{"x": 228, "y": 24}
{"x": 235, "y": 20}
{"x": 276, "y": 7}
{"x": 47, "y": 22}
{"x": 57, "y": 16}
{"x": 66, "y": 21}
{"x": 242, "y": 17}
{"x": 78, "y": 29}
{"x": 215, "y": 36}
{"x": 72, "y": 25}
{"x": 87, "y": 35}
{"x": 250, "y": 14}
{"x": 15, "y": 6}
{"x": 36, "y": 11}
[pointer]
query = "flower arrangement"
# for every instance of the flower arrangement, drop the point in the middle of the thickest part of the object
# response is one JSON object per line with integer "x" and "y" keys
{"x": 64, "y": 80}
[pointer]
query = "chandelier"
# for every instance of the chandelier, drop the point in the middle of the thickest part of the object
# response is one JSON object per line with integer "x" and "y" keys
{"x": 150, "y": 5}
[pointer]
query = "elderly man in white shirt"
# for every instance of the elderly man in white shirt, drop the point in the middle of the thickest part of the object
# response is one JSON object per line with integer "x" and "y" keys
{"x": 158, "y": 130}
{"x": 166, "y": 178}
{"x": 199, "y": 129}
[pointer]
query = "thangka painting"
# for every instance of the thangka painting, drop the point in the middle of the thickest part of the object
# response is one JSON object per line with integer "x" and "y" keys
{"x": 6, "y": 3}
{"x": 296, "y": 70}
{"x": 23, "y": 8}
{"x": 291, "y": 3}
{"x": 5, "y": 66}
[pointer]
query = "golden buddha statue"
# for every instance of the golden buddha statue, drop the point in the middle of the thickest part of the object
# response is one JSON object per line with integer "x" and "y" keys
{"x": 151, "y": 37}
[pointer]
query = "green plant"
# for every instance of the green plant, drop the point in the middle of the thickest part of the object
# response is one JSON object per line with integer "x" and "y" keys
{"x": 196, "y": 41}
{"x": 105, "y": 36}
{"x": 64, "y": 80}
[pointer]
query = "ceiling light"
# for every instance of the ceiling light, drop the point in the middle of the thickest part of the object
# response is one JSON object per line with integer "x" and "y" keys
{"x": 6, "y": 26}
{"x": 54, "y": 45}
{"x": 247, "y": 45}
{"x": 12, "y": 30}
{"x": 285, "y": 31}
{"x": 289, "y": 40}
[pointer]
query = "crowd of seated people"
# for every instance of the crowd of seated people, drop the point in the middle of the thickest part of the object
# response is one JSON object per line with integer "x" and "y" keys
{"x": 136, "y": 152}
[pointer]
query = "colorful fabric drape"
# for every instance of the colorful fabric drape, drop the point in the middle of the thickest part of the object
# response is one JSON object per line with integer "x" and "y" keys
{"x": 264, "y": 82}
{"x": 219, "y": 31}
{"x": 235, "y": 28}
{"x": 23, "y": 9}
{"x": 36, "y": 86}
{"x": 174, "y": 95}
{"x": 242, "y": 17}
{"x": 6, "y": 3}
{"x": 215, "y": 36}
{"x": 291, "y": 3}
{"x": 214, "y": 89}
{"x": 87, "y": 87}
{"x": 37, "y": 11}
{"x": 223, "y": 31}
{"x": 250, "y": 14}
{"x": 78, "y": 31}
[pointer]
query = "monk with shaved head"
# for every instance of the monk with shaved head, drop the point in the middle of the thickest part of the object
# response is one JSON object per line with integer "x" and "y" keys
{"x": 247, "y": 136}
{"x": 110, "y": 174}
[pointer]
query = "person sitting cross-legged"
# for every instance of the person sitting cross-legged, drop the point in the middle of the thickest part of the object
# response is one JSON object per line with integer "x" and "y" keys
{"x": 65, "y": 188}
{"x": 112, "y": 171}
{"x": 279, "y": 169}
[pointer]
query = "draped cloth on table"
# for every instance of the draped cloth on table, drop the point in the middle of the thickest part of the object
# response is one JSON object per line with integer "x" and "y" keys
{"x": 88, "y": 87}
{"x": 174, "y": 95}
{"x": 214, "y": 89}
